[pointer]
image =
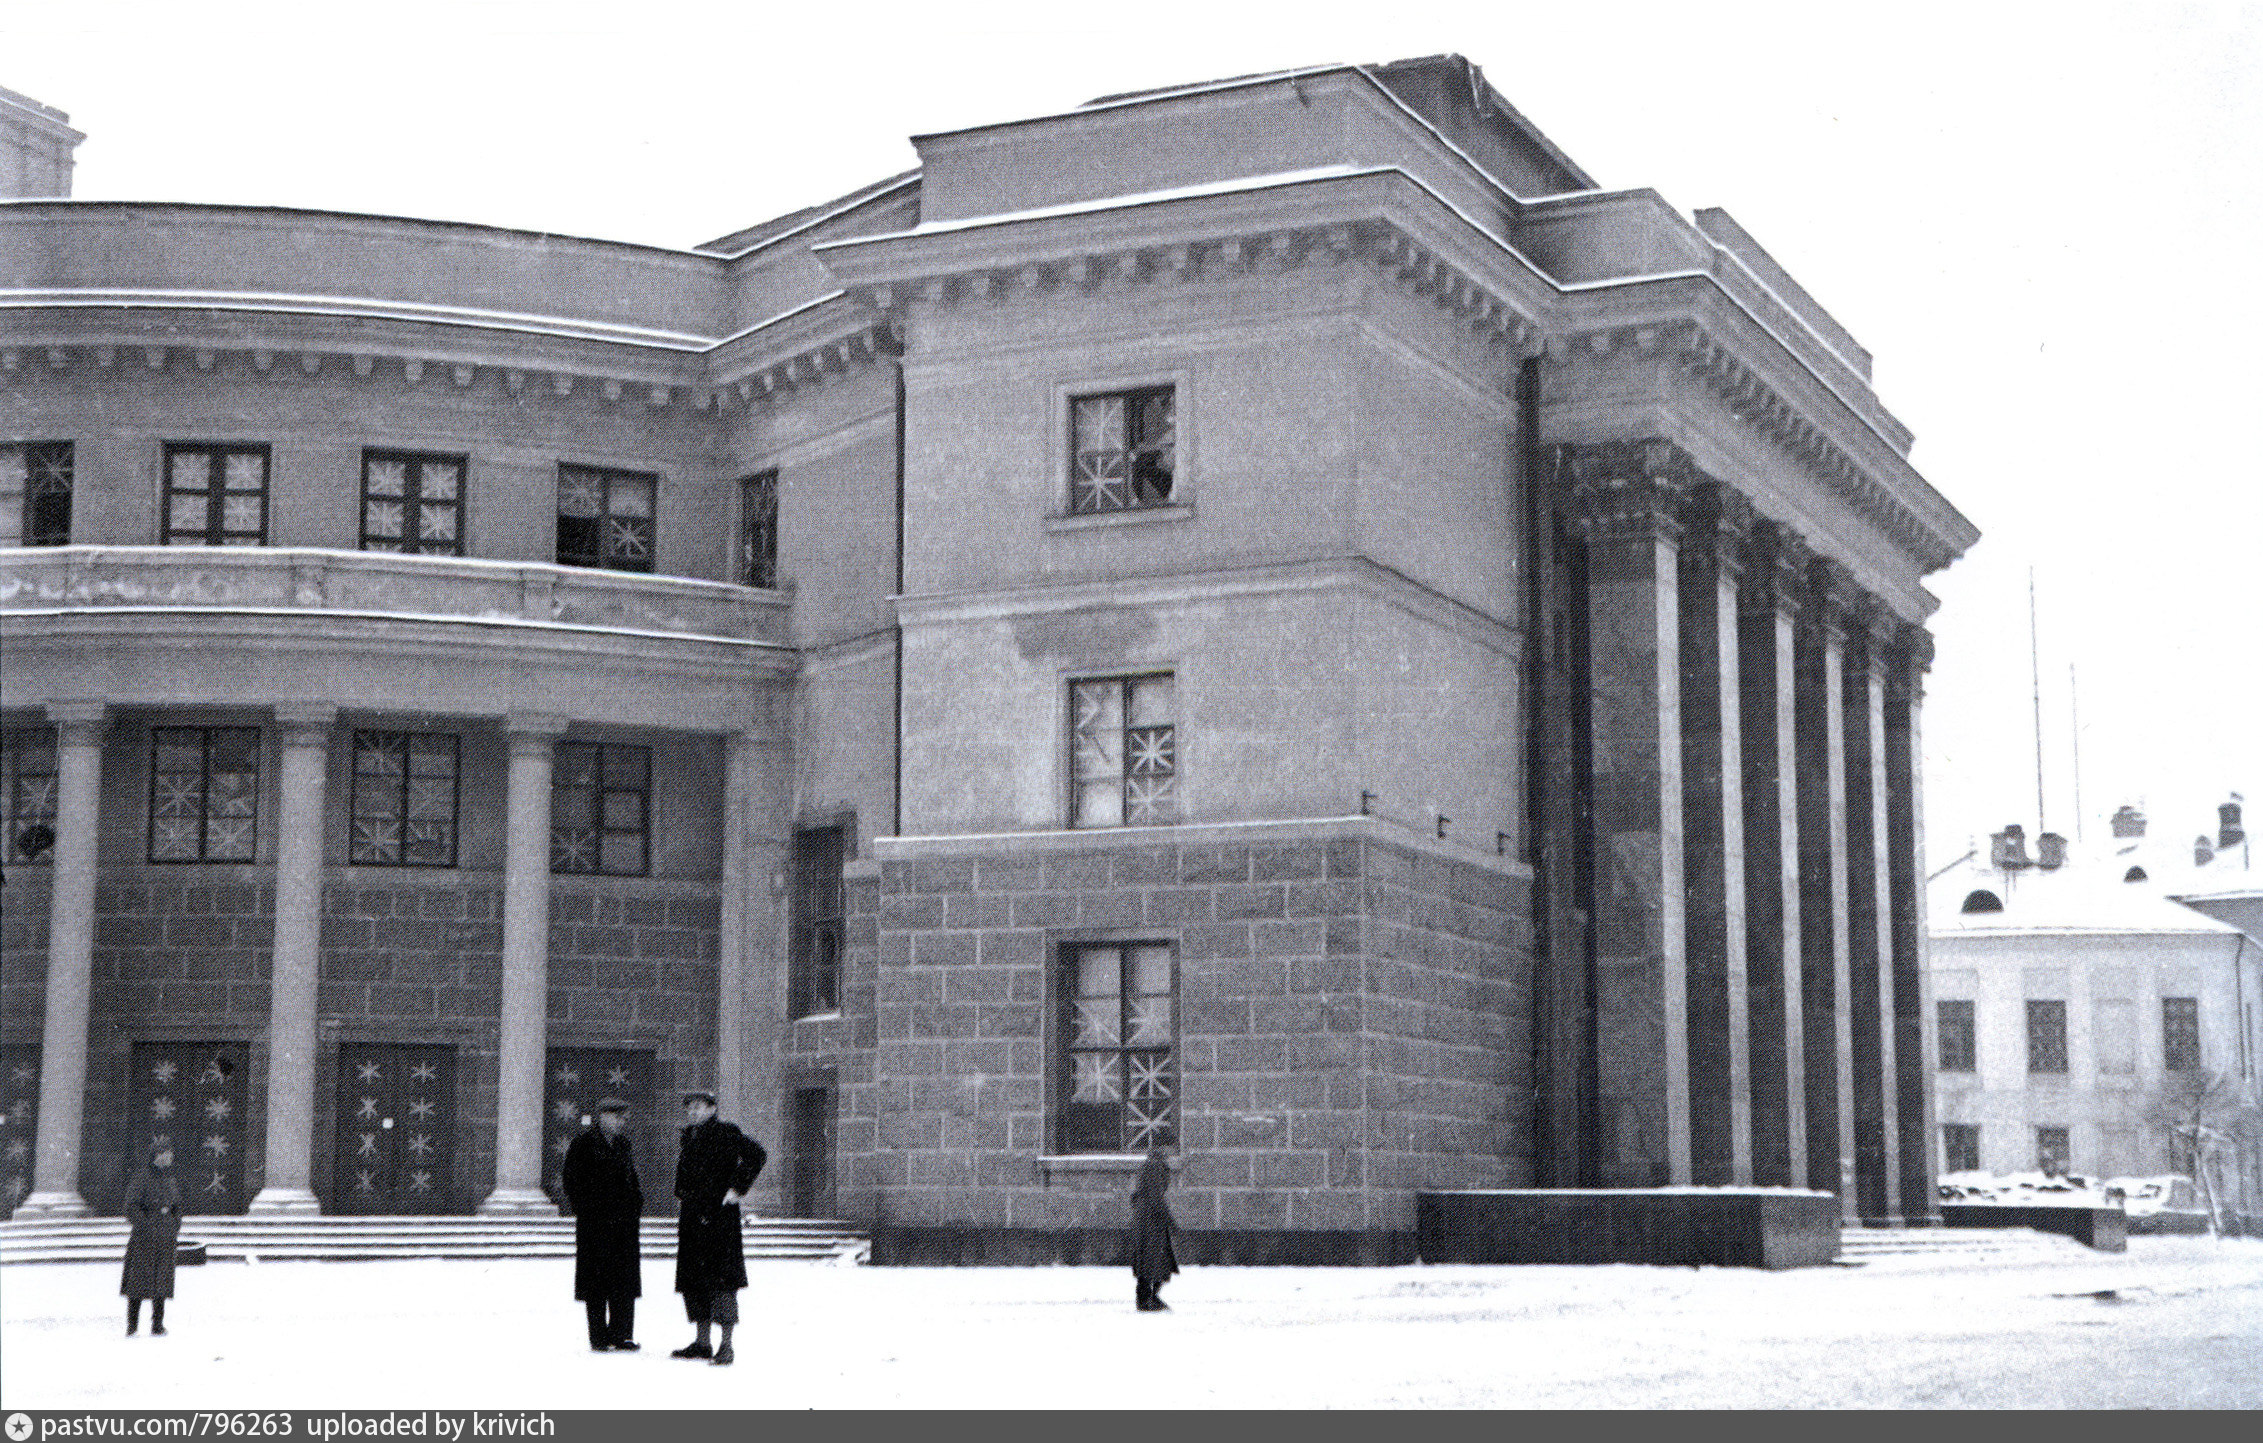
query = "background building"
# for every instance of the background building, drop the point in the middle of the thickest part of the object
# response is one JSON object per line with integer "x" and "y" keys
{"x": 1270, "y": 618}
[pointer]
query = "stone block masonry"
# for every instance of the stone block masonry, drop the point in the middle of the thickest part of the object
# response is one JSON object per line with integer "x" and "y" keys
{"x": 1351, "y": 1024}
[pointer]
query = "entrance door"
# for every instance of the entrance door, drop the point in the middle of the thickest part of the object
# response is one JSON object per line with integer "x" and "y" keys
{"x": 809, "y": 1179}
{"x": 19, "y": 1111}
{"x": 579, "y": 1079}
{"x": 191, "y": 1095}
{"x": 396, "y": 1148}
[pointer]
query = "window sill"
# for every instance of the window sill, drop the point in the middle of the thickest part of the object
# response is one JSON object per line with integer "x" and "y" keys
{"x": 1131, "y": 516}
{"x": 1091, "y": 1162}
{"x": 829, "y": 1015}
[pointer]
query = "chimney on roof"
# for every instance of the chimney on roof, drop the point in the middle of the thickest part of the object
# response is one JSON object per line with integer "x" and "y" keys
{"x": 2007, "y": 849}
{"x": 2128, "y": 822}
{"x": 2050, "y": 851}
{"x": 2203, "y": 851}
{"x": 2228, "y": 831}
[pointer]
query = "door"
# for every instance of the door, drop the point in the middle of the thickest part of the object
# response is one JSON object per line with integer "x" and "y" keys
{"x": 191, "y": 1096}
{"x": 19, "y": 1112}
{"x": 581, "y": 1077}
{"x": 809, "y": 1177}
{"x": 396, "y": 1150}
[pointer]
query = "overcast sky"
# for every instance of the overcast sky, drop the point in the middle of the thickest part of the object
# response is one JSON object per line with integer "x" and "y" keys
{"x": 2044, "y": 219}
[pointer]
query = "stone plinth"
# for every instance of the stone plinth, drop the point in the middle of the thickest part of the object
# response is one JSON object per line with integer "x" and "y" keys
{"x": 2106, "y": 1229}
{"x": 1686, "y": 1227}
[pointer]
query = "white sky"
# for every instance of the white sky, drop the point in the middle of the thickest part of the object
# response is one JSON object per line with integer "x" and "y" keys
{"x": 2042, "y": 218}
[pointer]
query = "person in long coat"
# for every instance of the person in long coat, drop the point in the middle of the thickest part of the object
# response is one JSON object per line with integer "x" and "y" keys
{"x": 1149, "y": 1238}
{"x": 717, "y": 1166}
{"x": 153, "y": 1218}
{"x": 600, "y": 1182}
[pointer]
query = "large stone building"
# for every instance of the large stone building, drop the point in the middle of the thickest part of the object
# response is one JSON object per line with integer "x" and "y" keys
{"x": 1271, "y": 618}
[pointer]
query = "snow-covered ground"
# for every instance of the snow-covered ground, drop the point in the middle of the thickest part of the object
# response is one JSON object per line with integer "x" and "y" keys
{"x": 2183, "y": 1327}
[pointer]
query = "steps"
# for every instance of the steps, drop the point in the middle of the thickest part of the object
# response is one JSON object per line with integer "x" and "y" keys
{"x": 1958, "y": 1245}
{"x": 343, "y": 1239}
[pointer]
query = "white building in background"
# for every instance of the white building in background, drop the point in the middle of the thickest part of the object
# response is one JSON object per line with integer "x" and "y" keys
{"x": 2079, "y": 1006}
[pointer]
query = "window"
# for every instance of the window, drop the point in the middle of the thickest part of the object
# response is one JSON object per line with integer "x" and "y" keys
{"x": 35, "y": 493}
{"x": 412, "y": 502}
{"x": 2046, "y": 1036}
{"x": 1957, "y": 1043}
{"x": 1960, "y": 1147}
{"x": 27, "y": 770}
{"x": 819, "y": 908}
{"x": 404, "y": 801}
{"x": 1981, "y": 901}
{"x": 758, "y": 529}
{"x": 215, "y": 495}
{"x": 1123, "y": 450}
{"x": 203, "y": 793}
{"x": 601, "y": 809}
{"x": 605, "y": 518}
{"x": 1117, "y": 1084}
{"x": 2113, "y": 1030}
{"x": 2180, "y": 1034}
{"x": 2053, "y": 1155}
{"x": 1123, "y": 751}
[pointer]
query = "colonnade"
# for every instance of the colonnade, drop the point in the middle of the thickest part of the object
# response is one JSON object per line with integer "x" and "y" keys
{"x": 1755, "y": 925}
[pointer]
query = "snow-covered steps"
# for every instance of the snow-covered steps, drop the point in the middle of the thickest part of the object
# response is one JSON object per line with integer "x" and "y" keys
{"x": 1959, "y": 1245}
{"x": 338, "y": 1239}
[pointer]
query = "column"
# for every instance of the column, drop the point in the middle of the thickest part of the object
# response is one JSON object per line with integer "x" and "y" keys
{"x": 525, "y": 1022}
{"x": 1869, "y": 920}
{"x": 1768, "y": 669}
{"x": 1715, "y": 523}
{"x": 1913, "y": 1005}
{"x": 302, "y": 775}
{"x": 750, "y": 985}
{"x": 79, "y": 726}
{"x": 1819, "y": 653}
{"x": 1626, "y": 496}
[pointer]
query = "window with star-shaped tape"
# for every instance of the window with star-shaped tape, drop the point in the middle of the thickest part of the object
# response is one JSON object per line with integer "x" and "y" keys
{"x": 19, "y": 1117}
{"x": 28, "y": 793}
{"x": 35, "y": 493}
{"x": 1117, "y": 1078}
{"x": 192, "y": 1096}
{"x": 1123, "y": 751}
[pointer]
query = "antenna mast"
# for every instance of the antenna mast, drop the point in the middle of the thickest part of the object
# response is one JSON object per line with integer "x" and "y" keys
{"x": 2074, "y": 706}
{"x": 2035, "y": 671}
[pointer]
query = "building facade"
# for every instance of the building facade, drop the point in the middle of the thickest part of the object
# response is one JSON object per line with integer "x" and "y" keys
{"x": 1271, "y": 619}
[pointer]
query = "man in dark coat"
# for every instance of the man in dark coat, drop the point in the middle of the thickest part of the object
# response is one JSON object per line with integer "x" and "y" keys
{"x": 1149, "y": 1238}
{"x": 600, "y": 1182}
{"x": 717, "y": 1166}
{"x": 153, "y": 1220}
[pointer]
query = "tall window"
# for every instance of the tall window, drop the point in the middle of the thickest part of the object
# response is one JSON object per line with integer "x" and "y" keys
{"x": 215, "y": 495}
{"x": 601, "y": 809}
{"x": 2180, "y": 1034}
{"x": 412, "y": 502}
{"x": 2046, "y": 1036}
{"x": 605, "y": 518}
{"x": 1957, "y": 1043}
{"x": 1117, "y": 1078}
{"x": 2053, "y": 1154}
{"x": 203, "y": 794}
{"x": 27, "y": 770}
{"x": 35, "y": 493}
{"x": 1123, "y": 450}
{"x": 404, "y": 801}
{"x": 820, "y": 908}
{"x": 1123, "y": 751}
{"x": 1960, "y": 1147}
{"x": 758, "y": 529}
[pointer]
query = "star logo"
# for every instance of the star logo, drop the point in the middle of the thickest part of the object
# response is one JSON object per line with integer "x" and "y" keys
{"x": 19, "y": 1428}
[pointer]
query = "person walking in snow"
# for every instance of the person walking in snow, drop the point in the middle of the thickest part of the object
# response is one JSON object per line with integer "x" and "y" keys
{"x": 1148, "y": 1240}
{"x": 716, "y": 1167}
{"x": 153, "y": 1217}
{"x": 600, "y": 1182}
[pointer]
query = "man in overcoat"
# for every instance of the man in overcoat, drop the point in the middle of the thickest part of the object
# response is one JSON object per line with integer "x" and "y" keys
{"x": 717, "y": 1166}
{"x": 600, "y": 1183}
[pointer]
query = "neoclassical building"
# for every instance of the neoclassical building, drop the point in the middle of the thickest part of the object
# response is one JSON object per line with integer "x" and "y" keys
{"x": 1273, "y": 619}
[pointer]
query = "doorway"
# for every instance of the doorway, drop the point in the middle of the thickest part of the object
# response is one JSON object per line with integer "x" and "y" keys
{"x": 396, "y": 1150}
{"x": 809, "y": 1174}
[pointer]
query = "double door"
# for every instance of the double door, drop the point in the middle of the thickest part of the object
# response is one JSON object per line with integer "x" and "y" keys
{"x": 396, "y": 1117}
{"x": 191, "y": 1097}
{"x": 581, "y": 1077}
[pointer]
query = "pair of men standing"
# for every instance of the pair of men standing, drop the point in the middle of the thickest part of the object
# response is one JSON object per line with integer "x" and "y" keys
{"x": 714, "y": 1170}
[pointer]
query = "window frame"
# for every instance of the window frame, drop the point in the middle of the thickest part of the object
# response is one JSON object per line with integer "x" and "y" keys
{"x": 2064, "y": 1135}
{"x": 207, "y": 736}
{"x": 1062, "y": 513}
{"x": 215, "y": 531}
{"x": 599, "y": 811}
{"x": 2042, "y": 1055}
{"x": 1966, "y": 1032}
{"x": 2180, "y": 1034}
{"x": 354, "y": 778}
{"x": 25, "y": 502}
{"x": 1072, "y": 807}
{"x": 756, "y": 561}
{"x": 412, "y": 499}
{"x": 1968, "y": 1133}
{"x": 818, "y": 935}
{"x": 1066, "y": 954}
{"x": 607, "y": 477}
{"x": 16, "y": 817}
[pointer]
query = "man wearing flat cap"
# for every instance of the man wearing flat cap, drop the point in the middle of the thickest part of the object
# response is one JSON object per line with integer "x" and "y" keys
{"x": 600, "y": 1182}
{"x": 717, "y": 1166}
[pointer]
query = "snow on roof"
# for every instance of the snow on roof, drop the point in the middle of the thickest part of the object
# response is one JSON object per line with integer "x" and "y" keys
{"x": 2088, "y": 894}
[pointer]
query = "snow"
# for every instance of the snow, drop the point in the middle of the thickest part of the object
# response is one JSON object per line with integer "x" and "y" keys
{"x": 2175, "y": 1322}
